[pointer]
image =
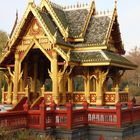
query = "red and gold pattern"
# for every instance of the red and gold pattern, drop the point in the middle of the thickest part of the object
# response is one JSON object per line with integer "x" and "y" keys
{"x": 48, "y": 98}
{"x": 93, "y": 98}
{"x": 78, "y": 98}
{"x": 5, "y": 96}
{"x": 109, "y": 98}
{"x": 35, "y": 28}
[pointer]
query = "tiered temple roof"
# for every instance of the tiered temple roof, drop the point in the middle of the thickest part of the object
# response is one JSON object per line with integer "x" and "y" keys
{"x": 75, "y": 28}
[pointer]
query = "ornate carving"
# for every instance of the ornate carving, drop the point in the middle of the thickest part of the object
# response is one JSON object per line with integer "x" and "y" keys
{"x": 26, "y": 42}
{"x": 48, "y": 98}
{"x": 44, "y": 40}
{"x": 109, "y": 98}
{"x": 101, "y": 75}
{"x": 35, "y": 28}
{"x": 13, "y": 74}
{"x": 93, "y": 98}
{"x": 78, "y": 98}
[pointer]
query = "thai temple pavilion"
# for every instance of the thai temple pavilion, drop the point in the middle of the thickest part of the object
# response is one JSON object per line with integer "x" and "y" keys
{"x": 66, "y": 58}
{"x": 65, "y": 54}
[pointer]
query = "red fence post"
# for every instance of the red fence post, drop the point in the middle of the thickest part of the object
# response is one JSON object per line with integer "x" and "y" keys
{"x": 43, "y": 115}
{"x": 26, "y": 108}
{"x": 85, "y": 107}
{"x": 119, "y": 115}
{"x": 69, "y": 115}
{"x": 53, "y": 108}
{"x": 130, "y": 106}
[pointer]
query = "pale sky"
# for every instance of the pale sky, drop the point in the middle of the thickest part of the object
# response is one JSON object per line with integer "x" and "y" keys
{"x": 128, "y": 16}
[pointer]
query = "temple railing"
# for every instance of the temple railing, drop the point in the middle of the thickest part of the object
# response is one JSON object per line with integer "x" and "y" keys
{"x": 66, "y": 116}
{"x": 13, "y": 120}
{"x": 70, "y": 117}
{"x": 102, "y": 117}
{"x": 8, "y": 98}
{"x": 4, "y": 96}
{"x": 110, "y": 98}
{"x": 79, "y": 97}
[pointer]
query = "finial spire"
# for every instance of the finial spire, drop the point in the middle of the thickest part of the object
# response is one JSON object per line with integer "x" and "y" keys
{"x": 93, "y": 7}
{"x": 16, "y": 14}
{"x": 115, "y": 7}
{"x": 31, "y": 1}
{"x": 15, "y": 24}
{"x": 115, "y": 4}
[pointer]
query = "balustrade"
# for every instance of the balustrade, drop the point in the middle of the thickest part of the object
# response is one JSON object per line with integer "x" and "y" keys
{"x": 69, "y": 117}
{"x": 13, "y": 120}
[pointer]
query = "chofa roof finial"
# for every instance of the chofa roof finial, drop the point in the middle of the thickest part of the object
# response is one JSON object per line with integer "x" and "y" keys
{"x": 31, "y": 1}
{"x": 17, "y": 14}
{"x": 115, "y": 4}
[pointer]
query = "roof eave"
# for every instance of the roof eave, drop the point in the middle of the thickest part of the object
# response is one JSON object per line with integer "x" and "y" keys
{"x": 110, "y": 63}
{"x": 123, "y": 65}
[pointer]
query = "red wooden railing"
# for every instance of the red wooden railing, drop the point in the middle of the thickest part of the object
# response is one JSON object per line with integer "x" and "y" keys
{"x": 13, "y": 120}
{"x": 131, "y": 114}
{"x": 102, "y": 117}
{"x": 69, "y": 117}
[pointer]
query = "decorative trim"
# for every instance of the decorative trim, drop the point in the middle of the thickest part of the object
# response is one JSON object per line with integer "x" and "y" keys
{"x": 49, "y": 8}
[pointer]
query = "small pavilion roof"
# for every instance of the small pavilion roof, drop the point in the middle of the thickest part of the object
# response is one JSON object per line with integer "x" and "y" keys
{"x": 100, "y": 58}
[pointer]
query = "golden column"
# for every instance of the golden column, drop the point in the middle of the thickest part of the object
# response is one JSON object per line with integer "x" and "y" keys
{"x": 70, "y": 84}
{"x": 54, "y": 76}
{"x": 25, "y": 74}
{"x": 61, "y": 85}
{"x": 9, "y": 80}
{"x": 100, "y": 79}
{"x": 87, "y": 88}
{"x": 62, "y": 88}
{"x": 16, "y": 78}
{"x": 9, "y": 96}
{"x": 70, "y": 87}
{"x": 99, "y": 95}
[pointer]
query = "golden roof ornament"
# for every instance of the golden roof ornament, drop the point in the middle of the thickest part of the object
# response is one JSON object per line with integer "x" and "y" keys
{"x": 31, "y": 1}
{"x": 115, "y": 2}
{"x": 35, "y": 27}
{"x": 93, "y": 1}
{"x": 115, "y": 7}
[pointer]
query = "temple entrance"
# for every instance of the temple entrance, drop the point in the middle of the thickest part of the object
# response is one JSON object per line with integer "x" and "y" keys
{"x": 35, "y": 66}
